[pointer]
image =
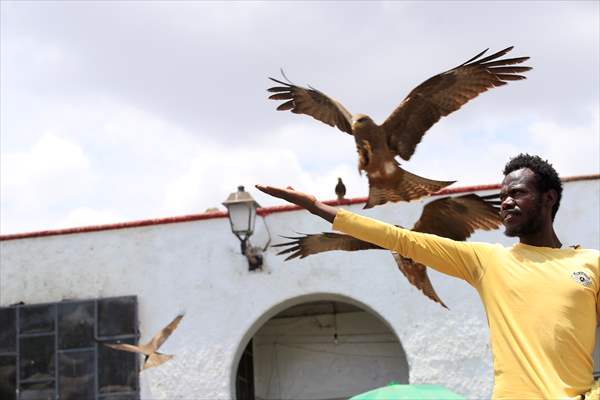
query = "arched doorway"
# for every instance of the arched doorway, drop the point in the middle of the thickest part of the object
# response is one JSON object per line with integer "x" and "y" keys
{"x": 320, "y": 350}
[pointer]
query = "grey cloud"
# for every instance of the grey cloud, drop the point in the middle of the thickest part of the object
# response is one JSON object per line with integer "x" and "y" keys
{"x": 204, "y": 65}
{"x": 202, "y": 68}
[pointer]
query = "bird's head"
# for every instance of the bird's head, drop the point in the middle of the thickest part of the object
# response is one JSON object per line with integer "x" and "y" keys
{"x": 361, "y": 121}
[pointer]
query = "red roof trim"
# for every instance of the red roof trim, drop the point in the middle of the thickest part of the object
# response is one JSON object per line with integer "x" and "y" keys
{"x": 261, "y": 211}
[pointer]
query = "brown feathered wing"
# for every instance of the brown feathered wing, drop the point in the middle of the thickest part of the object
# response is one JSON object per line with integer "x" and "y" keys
{"x": 454, "y": 218}
{"x": 306, "y": 245}
{"x": 312, "y": 102}
{"x": 416, "y": 274}
{"x": 128, "y": 347}
{"x": 445, "y": 93}
{"x": 164, "y": 333}
{"x": 458, "y": 217}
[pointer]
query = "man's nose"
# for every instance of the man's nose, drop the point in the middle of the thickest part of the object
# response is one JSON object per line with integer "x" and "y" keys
{"x": 507, "y": 203}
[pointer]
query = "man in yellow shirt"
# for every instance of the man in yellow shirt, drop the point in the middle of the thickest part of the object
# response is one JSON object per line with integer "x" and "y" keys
{"x": 541, "y": 299}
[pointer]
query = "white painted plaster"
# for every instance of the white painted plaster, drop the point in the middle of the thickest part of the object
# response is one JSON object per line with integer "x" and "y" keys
{"x": 196, "y": 267}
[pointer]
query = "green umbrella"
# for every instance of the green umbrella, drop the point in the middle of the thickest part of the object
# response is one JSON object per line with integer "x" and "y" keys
{"x": 409, "y": 392}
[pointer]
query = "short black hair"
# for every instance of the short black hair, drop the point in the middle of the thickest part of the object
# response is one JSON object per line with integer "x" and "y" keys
{"x": 546, "y": 176}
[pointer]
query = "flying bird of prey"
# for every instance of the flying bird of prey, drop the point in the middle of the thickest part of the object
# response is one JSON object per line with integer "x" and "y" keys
{"x": 452, "y": 217}
{"x": 340, "y": 189}
{"x": 152, "y": 358}
{"x": 378, "y": 145}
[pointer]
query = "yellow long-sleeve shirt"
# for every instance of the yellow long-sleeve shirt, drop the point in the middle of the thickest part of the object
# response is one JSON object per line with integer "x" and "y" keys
{"x": 541, "y": 303}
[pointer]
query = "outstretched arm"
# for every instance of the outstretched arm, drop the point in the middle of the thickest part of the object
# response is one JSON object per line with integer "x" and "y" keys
{"x": 304, "y": 200}
{"x": 451, "y": 257}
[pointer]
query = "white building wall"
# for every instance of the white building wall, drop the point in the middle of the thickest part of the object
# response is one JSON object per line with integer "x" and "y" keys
{"x": 196, "y": 267}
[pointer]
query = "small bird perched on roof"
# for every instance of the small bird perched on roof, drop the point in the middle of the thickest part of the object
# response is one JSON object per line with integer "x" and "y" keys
{"x": 378, "y": 145}
{"x": 152, "y": 358}
{"x": 452, "y": 217}
{"x": 340, "y": 189}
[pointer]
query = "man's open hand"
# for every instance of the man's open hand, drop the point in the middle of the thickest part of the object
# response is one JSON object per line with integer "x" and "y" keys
{"x": 304, "y": 200}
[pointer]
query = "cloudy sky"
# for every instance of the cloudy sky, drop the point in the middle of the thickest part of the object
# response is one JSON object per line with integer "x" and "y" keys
{"x": 115, "y": 111}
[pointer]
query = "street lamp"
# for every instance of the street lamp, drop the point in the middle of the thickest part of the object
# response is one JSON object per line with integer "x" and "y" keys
{"x": 242, "y": 215}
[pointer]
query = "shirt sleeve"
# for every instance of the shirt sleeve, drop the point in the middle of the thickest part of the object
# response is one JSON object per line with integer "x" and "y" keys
{"x": 458, "y": 259}
{"x": 598, "y": 300}
{"x": 598, "y": 309}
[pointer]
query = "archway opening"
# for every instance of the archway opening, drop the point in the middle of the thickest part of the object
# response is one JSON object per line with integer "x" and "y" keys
{"x": 320, "y": 350}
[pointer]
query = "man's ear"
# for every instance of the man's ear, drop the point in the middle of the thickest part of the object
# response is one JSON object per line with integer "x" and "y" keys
{"x": 550, "y": 198}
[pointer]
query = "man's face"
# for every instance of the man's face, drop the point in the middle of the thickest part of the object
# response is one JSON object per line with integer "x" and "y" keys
{"x": 521, "y": 204}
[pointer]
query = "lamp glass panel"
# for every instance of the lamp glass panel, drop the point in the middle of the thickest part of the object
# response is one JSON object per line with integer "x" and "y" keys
{"x": 239, "y": 216}
{"x": 252, "y": 219}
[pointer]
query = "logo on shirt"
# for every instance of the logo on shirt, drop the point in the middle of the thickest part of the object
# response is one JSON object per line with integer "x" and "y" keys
{"x": 582, "y": 277}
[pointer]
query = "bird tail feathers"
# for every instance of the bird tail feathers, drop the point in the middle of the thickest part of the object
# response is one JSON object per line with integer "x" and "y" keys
{"x": 156, "y": 359}
{"x": 417, "y": 276}
{"x": 401, "y": 186}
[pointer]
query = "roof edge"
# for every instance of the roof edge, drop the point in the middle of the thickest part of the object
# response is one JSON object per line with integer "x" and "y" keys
{"x": 261, "y": 211}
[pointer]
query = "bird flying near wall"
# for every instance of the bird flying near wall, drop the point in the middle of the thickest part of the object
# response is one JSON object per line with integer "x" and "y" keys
{"x": 152, "y": 358}
{"x": 378, "y": 145}
{"x": 340, "y": 189}
{"x": 451, "y": 217}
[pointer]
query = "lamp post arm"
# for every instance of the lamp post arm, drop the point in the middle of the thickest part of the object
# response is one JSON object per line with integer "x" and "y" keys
{"x": 268, "y": 233}
{"x": 243, "y": 243}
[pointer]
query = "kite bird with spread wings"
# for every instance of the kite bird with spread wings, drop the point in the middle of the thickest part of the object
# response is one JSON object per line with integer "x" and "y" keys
{"x": 152, "y": 358}
{"x": 378, "y": 145}
{"x": 451, "y": 217}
